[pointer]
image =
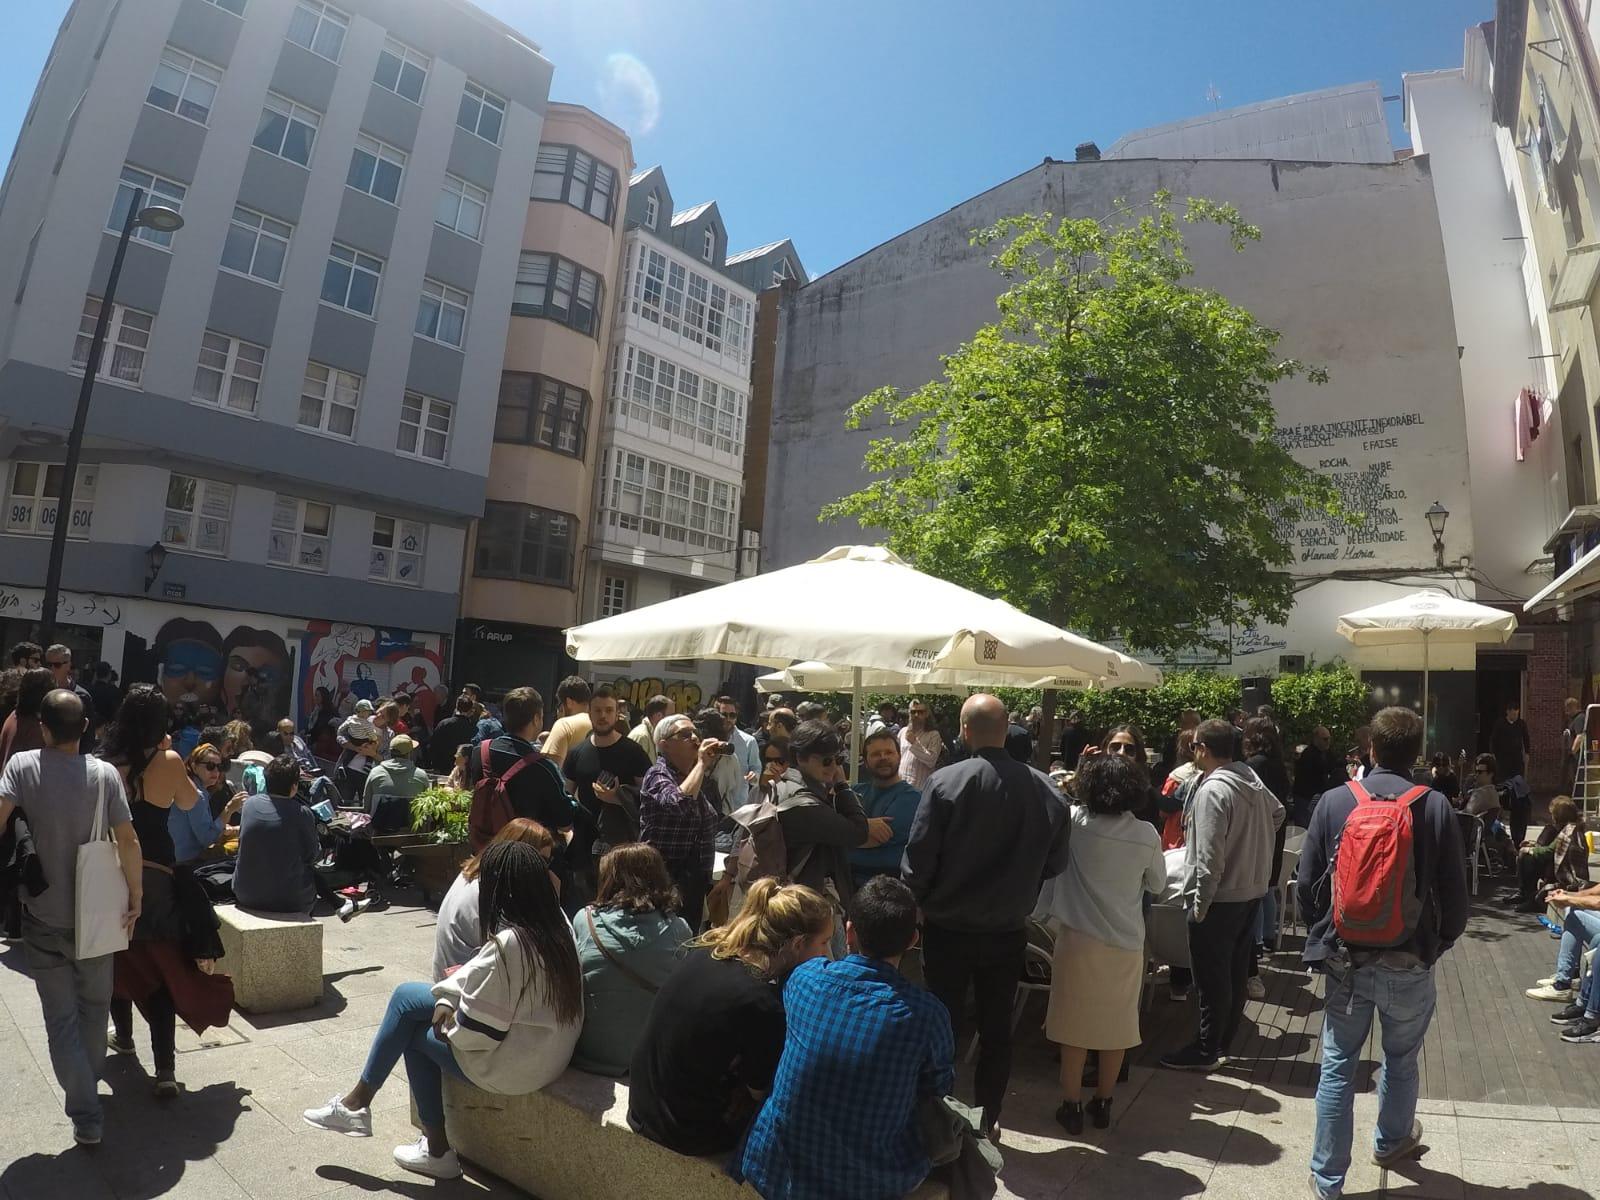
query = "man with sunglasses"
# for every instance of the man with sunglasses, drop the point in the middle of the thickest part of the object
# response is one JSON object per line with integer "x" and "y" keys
{"x": 821, "y": 818}
{"x": 58, "y": 659}
{"x": 675, "y": 814}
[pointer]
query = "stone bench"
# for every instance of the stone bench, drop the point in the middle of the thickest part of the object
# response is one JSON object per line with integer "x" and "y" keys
{"x": 572, "y": 1141}
{"x": 275, "y": 959}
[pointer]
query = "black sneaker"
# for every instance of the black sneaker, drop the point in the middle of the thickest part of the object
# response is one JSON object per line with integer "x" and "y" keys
{"x": 1567, "y": 1015}
{"x": 1585, "y": 1032}
{"x": 1190, "y": 1058}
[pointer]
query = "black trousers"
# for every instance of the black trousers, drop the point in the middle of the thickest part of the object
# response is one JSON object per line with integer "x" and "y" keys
{"x": 162, "y": 1018}
{"x": 1219, "y": 948}
{"x": 1519, "y": 814}
{"x": 991, "y": 965}
{"x": 693, "y": 884}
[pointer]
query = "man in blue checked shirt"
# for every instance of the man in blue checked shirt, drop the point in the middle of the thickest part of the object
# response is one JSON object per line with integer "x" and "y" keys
{"x": 863, "y": 1047}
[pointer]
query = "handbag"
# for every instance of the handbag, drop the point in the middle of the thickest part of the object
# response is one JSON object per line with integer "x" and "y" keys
{"x": 628, "y": 972}
{"x": 101, "y": 888}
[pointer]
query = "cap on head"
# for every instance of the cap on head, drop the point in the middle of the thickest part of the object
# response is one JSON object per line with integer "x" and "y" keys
{"x": 364, "y": 706}
{"x": 401, "y": 746}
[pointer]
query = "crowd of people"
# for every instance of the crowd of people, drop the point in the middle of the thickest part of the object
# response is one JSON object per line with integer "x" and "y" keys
{"x": 798, "y": 1009}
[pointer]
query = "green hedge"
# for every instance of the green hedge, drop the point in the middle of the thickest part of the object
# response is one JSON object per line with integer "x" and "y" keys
{"x": 1331, "y": 695}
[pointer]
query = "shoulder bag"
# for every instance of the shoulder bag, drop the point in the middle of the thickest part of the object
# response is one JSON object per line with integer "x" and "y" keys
{"x": 101, "y": 888}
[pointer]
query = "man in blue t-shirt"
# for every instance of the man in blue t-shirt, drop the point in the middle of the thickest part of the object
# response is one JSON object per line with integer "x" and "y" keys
{"x": 890, "y": 804}
{"x": 863, "y": 1047}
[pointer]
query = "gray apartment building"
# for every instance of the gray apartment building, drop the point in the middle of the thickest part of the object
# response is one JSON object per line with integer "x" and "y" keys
{"x": 292, "y": 423}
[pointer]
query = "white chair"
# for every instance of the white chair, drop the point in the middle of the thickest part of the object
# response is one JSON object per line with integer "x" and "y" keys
{"x": 1472, "y": 832}
{"x": 1166, "y": 940}
{"x": 1290, "y": 864}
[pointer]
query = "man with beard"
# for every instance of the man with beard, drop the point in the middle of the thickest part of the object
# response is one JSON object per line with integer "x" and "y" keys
{"x": 602, "y": 765}
{"x": 890, "y": 804}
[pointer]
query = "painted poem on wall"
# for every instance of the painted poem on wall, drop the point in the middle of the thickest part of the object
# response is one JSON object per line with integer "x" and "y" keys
{"x": 1363, "y": 457}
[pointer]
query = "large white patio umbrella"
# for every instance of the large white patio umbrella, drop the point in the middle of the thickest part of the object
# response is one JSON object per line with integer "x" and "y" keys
{"x": 1427, "y": 617}
{"x": 820, "y": 677}
{"x": 861, "y": 608}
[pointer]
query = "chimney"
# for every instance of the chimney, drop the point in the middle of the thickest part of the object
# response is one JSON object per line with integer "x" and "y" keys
{"x": 1087, "y": 152}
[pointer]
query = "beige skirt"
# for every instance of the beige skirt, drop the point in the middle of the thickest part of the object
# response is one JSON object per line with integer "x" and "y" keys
{"x": 1094, "y": 994}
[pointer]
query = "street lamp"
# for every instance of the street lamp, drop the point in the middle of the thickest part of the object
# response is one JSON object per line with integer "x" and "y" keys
{"x": 1437, "y": 515}
{"x": 163, "y": 220}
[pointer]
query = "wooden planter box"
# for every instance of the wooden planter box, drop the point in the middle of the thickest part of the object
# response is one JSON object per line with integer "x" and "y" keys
{"x": 436, "y": 865}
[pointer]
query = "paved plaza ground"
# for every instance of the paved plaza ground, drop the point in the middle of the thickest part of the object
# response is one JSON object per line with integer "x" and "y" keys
{"x": 1510, "y": 1112}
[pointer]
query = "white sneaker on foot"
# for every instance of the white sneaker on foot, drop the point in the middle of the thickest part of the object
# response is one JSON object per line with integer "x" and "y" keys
{"x": 336, "y": 1118}
{"x": 1255, "y": 988}
{"x": 416, "y": 1158}
{"x": 1547, "y": 981}
{"x": 1548, "y": 991}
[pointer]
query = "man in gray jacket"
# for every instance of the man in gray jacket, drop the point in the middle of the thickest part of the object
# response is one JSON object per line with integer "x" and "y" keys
{"x": 1228, "y": 829}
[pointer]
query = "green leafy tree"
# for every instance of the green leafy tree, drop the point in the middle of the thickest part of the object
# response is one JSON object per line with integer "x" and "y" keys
{"x": 1102, "y": 455}
{"x": 1331, "y": 695}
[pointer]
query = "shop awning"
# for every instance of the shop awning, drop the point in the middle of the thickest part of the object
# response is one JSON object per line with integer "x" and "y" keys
{"x": 1580, "y": 579}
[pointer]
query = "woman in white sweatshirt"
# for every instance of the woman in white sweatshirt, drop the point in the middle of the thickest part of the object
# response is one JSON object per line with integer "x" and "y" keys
{"x": 506, "y": 1021}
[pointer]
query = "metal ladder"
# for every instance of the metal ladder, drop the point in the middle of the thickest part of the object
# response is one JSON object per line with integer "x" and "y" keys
{"x": 1586, "y": 786}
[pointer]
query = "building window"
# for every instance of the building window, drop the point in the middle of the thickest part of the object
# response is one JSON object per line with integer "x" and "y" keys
{"x": 652, "y": 210}
{"x": 376, "y": 168}
{"x": 781, "y": 272}
{"x": 537, "y": 411}
{"x": 156, "y": 191}
{"x": 397, "y": 550}
{"x": 236, "y": 7}
{"x": 402, "y": 70}
{"x": 614, "y": 596}
{"x": 350, "y": 280}
{"x": 329, "y": 399}
{"x": 442, "y": 315}
{"x": 198, "y": 514}
{"x": 256, "y": 245}
{"x": 641, "y": 495}
{"x": 708, "y": 245}
{"x": 185, "y": 85}
{"x": 320, "y": 28}
{"x": 299, "y": 536}
{"x": 461, "y": 207}
{"x": 35, "y": 495}
{"x": 481, "y": 112}
{"x": 287, "y": 129}
{"x": 567, "y": 174}
{"x": 553, "y": 287}
{"x": 518, "y": 541}
{"x": 229, "y": 373}
{"x": 127, "y": 339}
{"x": 424, "y": 427}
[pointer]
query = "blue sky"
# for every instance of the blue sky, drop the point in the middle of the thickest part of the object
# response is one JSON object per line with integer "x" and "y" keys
{"x": 842, "y": 124}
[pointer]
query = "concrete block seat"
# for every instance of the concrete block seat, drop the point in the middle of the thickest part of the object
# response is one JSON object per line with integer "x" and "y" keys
{"x": 572, "y": 1141}
{"x": 275, "y": 959}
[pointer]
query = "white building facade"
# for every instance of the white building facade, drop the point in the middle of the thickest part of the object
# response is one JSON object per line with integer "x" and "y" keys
{"x": 666, "y": 511}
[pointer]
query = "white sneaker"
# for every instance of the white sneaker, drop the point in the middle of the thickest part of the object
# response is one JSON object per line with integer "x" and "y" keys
{"x": 416, "y": 1158}
{"x": 1547, "y": 991}
{"x": 336, "y": 1118}
{"x": 1547, "y": 981}
{"x": 1254, "y": 988}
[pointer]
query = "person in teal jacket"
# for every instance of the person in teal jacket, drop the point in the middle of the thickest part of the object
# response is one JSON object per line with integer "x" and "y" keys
{"x": 889, "y": 802}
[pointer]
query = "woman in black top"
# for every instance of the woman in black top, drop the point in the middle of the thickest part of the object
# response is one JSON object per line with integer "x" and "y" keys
{"x": 710, "y": 1048}
{"x": 154, "y": 972}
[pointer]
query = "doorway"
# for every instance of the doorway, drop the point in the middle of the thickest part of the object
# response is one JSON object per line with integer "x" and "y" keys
{"x": 1500, "y": 678}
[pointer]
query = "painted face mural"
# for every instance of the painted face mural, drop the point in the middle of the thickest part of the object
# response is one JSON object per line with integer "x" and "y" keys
{"x": 189, "y": 661}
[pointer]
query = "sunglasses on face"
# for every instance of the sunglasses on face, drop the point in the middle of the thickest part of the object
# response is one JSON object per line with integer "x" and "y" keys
{"x": 1127, "y": 748}
{"x": 826, "y": 760}
{"x": 209, "y": 764}
{"x": 683, "y": 735}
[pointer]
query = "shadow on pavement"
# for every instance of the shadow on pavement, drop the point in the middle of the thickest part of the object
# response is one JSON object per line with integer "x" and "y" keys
{"x": 148, "y": 1144}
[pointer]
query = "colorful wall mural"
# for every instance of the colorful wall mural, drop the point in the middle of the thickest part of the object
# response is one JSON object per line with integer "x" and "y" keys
{"x": 359, "y": 662}
{"x": 245, "y": 674}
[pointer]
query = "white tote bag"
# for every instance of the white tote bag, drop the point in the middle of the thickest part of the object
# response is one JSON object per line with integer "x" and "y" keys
{"x": 102, "y": 888}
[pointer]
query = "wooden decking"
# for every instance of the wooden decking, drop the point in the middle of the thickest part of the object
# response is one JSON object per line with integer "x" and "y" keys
{"x": 1487, "y": 1042}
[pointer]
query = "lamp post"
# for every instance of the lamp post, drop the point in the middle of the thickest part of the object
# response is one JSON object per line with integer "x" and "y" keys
{"x": 163, "y": 220}
{"x": 1437, "y": 515}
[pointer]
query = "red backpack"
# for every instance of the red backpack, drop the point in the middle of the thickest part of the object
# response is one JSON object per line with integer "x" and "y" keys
{"x": 1375, "y": 900}
{"x": 491, "y": 809}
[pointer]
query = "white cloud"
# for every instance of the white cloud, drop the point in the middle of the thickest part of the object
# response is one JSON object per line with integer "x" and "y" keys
{"x": 628, "y": 90}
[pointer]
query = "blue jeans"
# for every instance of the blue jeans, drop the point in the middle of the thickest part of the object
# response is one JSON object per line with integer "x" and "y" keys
{"x": 1403, "y": 999}
{"x": 1580, "y": 932}
{"x": 76, "y": 997}
{"x": 407, "y": 1030}
{"x": 1267, "y": 917}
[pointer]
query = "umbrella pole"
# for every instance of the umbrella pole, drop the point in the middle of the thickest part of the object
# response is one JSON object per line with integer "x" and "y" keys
{"x": 1425, "y": 695}
{"x": 855, "y": 723}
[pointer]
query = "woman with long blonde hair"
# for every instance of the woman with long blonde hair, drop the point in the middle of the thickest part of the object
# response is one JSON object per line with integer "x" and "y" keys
{"x": 711, "y": 1045}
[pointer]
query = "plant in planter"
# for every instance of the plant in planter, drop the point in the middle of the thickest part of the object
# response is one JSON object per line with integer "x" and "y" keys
{"x": 441, "y": 812}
